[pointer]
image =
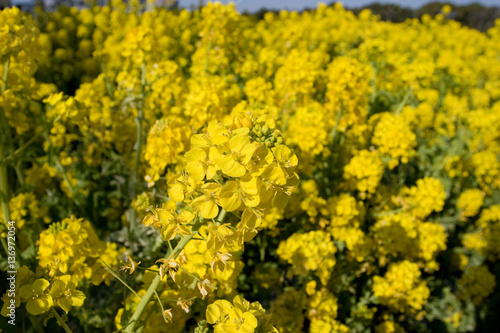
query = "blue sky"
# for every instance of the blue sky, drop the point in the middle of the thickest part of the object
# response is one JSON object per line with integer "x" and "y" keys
{"x": 253, "y": 5}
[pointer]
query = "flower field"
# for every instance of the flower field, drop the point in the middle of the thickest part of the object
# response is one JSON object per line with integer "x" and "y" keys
{"x": 198, "y": 171}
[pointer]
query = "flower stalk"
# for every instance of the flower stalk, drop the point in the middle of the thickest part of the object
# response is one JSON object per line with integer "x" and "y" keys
{"x": 135, "y": 173}
{"x": 156, "y": 282}
{"x": 60, "y": 321}
{"x": 5, "y": 138}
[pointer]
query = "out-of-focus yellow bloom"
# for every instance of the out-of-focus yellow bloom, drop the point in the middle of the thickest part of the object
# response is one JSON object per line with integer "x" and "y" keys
{"x": 401, "y": 288}
{"x": 477, "y": 283}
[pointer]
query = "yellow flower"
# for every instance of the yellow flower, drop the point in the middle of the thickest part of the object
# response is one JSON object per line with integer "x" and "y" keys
{"x": 470, "y": 202}
{"x": 401, "y": 288}
{"x": 477, "y": 283}
{"x": 236, "y": 193}
{"x": 241, "y": 316}
{"x": 181, "y": 186}
{"x": 207, "y": 204}
{"x": 64, "y": 293}
{"x": 169, "y": 223}
{"x": 199, "y": 163}
{"x": 239, "y": 153}
{"x": 364, "y": 172}
{"x": 216, "y": 135}
{"x": 312, "y": 251}
{"x": 37, "y": 296}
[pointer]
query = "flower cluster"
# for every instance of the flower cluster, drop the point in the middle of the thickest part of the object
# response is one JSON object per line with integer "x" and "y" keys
{"x": 72, "y": 247}
{"x": 313, "y": 251}
{"x": 69, "y": 251}
{"x": 477, "y": 283}
{"x": 401, "y": 287}
{"x": 340, "y": 170}
{"x": 238, "y": 316}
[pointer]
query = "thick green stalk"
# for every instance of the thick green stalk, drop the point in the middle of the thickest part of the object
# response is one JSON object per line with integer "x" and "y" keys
{"x": 156, "y": 282}
{"x": 60, "y": 321}
{"x": 5, "y": 140}
{"x": 19, "y": 173}
{"x": 4, "y": 194}
{"x": 5, "y": 75}
{"x": 4, "y": 187}
{"x": 135, "y": 174}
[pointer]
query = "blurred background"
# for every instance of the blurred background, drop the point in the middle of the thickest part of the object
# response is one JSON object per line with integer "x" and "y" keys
{"x": 479, "y": 15}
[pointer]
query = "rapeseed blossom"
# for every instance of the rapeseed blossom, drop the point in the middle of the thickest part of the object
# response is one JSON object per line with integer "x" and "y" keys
{"x": 337, "y": 169}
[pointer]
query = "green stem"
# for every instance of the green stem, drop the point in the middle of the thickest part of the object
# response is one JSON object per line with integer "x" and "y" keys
{"x": 222, "y": 216}
{"x": 190, "y": 274}
{"x": 156, "y": 282}
{"x": 334, "y": 130}
{"x": 4, "y": 188}
{"x": 35, "y": 323}
{"x": 208, "y": 55}
{"x": 175, "y": 300}
{"x": 373, "y": 94}
{"x": 148, "y": 269}
{"x": 135, "y": 174}
{"x": 20, "y": 149}
{"x": 61, "y": 169}
{"x": 4, "y": 198}
{"x": 19, "y": 173}
{"x": 403, "y": 102}
{"x": 161, "y": 305}
{"x": 202, "y": 238}
{"x": 5, "y": 136}
{"x": 65, "y": 176}
{"x": 298, "y": 309}
{"x": 60, "y": 321}
{"x": 5, "y": 75}
{"x": 109, "y": 88}
{"x": 119, "y": 279}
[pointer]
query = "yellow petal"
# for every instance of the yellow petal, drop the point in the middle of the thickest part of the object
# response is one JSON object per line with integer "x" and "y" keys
{"x": 247, "y": 152}
{"x": 249, "y": 219}
{"x": 251, "y": 191}
{"x": 185, "y": 217}
{"x": 230, "y": 167}
{"x": 26, "y": 291}
{"x": 275, "y": 175}
{"x": 77, "y": 298}
{"x": 229, "y": 198}
{"x": 176, "y": 192}
{"x": 261, "y": 159}
{"x": 196, "y": 170}
{"x": 249, "y": 323}
{"x": 196, "y": 155}
{"x": 39, "y": 305}
{"x": 238, "y": 142}
{"x": 285, "y": 157}
{"x": 64, "y": 304}
{"x": 199, "y": 140}
{"x": 241, "y": 303}
{"x": 207, "y": 208}
{"x": 40, "y": 285}
{"x": 148, "y": 220}
{"x": 280, "y": 200}
{"x": 213, "y": 313}
{"x": 211, "y": 188}
{"x": 168, "y": 232}
{"x": 217, "y": 133}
